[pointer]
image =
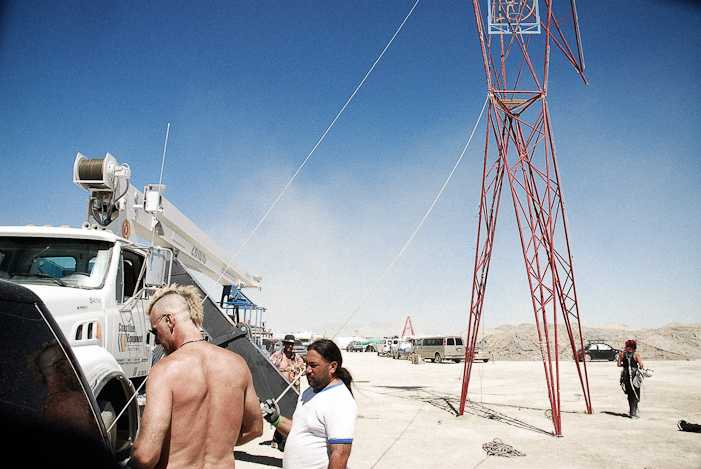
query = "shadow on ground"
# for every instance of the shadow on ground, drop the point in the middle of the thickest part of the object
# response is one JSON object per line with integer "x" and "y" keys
{"x": 615, "y": 414}
{"x": 258, "y": 459}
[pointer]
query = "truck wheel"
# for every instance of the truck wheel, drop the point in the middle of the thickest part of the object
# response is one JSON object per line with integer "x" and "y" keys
{"x": 437, "y": 358}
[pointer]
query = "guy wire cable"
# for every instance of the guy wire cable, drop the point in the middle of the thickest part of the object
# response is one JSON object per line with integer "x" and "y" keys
{"x": 420, "y": 224}
{"x": 160, "y": 180}
{"x": 315, "y": 147}
{"x": 153, "y": 237}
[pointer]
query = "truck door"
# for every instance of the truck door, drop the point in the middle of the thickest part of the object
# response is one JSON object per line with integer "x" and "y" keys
{"x": 133, "y": 351}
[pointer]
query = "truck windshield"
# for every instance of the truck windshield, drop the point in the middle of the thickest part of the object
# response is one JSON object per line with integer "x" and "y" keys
{"x": 76, "y": 263}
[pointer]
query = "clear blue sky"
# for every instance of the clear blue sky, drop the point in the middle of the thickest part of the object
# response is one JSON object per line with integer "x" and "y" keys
{"x": 249, "y": 87}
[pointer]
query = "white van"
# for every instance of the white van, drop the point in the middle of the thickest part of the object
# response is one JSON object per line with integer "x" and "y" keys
{"x": 440, "y": 348}
{"x": 384, "y": 346}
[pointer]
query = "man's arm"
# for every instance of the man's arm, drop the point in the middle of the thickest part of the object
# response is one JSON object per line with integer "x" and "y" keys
{"x": 252, "y": 422}
{"x": 284, "y": 426}
{"x": 155, "y": 422}
{"x": 340, "y": 452}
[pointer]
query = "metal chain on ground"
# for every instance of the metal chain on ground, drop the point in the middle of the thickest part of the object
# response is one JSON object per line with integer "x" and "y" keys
{"x": 498, "y": 448}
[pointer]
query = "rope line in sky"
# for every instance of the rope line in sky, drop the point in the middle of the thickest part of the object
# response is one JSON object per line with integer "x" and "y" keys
{"x": 420, "y": 224}
{"x": 314, "y": 149}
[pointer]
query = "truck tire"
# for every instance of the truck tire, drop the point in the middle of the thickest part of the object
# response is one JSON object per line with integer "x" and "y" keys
{"x": 437, "y": 358}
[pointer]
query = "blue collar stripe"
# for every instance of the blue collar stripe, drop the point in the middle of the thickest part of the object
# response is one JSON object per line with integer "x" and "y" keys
{"x": 331, "y": 387}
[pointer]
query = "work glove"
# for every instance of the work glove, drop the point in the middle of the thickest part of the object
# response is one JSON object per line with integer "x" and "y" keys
{"x": 270, "y": 410}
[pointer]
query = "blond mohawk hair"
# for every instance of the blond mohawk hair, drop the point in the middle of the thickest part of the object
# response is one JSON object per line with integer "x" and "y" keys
{"x": 188, "y": 293}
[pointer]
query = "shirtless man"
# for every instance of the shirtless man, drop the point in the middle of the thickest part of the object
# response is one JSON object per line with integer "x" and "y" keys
{"x": 200, "y": 398}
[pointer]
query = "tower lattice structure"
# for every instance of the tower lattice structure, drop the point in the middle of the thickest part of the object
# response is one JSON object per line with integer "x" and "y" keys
{"x": 516, "y": 42}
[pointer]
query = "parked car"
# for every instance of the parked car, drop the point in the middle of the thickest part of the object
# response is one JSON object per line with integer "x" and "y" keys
{"x": 440, "y": 348}
{"x": 597, "y": 350}
{"x": 480, "y": 355}
{"x": 44, "y": 395}
{"x": 354, "y": 346}
{"x": 268, "y": 346}
{"x": 385, "y": 345}
{"x": 401, "y": 349}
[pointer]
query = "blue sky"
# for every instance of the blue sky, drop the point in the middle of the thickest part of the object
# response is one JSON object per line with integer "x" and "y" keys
{"x": 250, "y": 87}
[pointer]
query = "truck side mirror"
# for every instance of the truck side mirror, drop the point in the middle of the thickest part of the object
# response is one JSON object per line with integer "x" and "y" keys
{"x": 158, "y": 268}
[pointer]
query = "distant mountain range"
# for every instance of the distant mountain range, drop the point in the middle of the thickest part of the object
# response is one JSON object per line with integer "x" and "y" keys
{"x": 674, "y": 341}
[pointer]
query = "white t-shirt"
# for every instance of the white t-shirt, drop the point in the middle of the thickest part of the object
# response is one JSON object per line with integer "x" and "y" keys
{"x": 320, "y": 419}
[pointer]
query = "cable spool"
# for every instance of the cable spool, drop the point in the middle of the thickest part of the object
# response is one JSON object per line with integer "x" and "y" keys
{"x": 91, "y": 170}
{"x": 95, "y": 175}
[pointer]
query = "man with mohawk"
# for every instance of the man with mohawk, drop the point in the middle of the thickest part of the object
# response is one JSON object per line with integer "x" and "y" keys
{"x": 200, "y": 400}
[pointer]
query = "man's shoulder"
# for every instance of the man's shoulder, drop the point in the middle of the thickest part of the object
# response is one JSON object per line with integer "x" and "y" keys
{"x": 231, "y": 358}
{"x": 183, "y": 360}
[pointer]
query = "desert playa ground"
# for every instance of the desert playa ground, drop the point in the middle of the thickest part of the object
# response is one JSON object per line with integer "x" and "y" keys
{"x": 407, "y": 417}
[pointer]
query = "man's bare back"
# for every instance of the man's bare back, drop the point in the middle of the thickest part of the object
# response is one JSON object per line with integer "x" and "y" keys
{"x": 200, "y": 403}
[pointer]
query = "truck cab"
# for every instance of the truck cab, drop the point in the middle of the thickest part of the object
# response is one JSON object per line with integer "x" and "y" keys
{"x": 97, "y": 282}
{"x": 93, "y": 282}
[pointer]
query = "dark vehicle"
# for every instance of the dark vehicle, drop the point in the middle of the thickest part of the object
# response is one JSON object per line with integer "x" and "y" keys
{"x": 268, "y": 346}
{"x": 598, "y": 351}
{"x": 354, "y": 346}
{"x": 44, "y": 396}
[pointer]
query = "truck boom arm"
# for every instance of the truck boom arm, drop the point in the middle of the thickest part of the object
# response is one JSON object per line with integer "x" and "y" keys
{"x": 117, "y": 205}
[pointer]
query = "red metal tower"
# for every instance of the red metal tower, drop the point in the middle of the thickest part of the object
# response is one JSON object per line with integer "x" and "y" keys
{"x": 519, "y": 127}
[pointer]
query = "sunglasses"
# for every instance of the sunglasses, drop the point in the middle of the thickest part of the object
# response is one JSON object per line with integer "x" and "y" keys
{"x": 153, "y": 329}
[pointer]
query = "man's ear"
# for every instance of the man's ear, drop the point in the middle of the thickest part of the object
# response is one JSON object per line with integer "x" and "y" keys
{"x": 333, "y": 366}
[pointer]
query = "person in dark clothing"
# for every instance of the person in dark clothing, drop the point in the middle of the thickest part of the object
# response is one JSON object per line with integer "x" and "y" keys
{"x": 631, "y": 362}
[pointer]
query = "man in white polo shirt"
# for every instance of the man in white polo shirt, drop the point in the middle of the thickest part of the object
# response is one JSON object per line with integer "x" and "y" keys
{"x": 320, "y": 433}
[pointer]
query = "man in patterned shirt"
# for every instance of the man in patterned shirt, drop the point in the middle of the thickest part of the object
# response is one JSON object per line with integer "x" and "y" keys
{"x": 287, "y": 361}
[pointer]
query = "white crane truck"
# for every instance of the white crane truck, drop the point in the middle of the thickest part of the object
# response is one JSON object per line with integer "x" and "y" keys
{"x": 97, "y": 280}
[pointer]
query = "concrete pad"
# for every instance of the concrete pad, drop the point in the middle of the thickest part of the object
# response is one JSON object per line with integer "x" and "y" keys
{"x": 408, "y": 417}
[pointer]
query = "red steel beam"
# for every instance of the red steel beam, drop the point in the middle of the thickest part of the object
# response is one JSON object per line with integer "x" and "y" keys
{"x": 519, "y": 126}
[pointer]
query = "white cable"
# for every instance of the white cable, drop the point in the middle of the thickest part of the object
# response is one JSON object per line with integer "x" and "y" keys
{"x": 126, "y": 406}
{"x": 160, "y": 180}
{"x": 313, "y": 149}
{"x": 420, "y": 224}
